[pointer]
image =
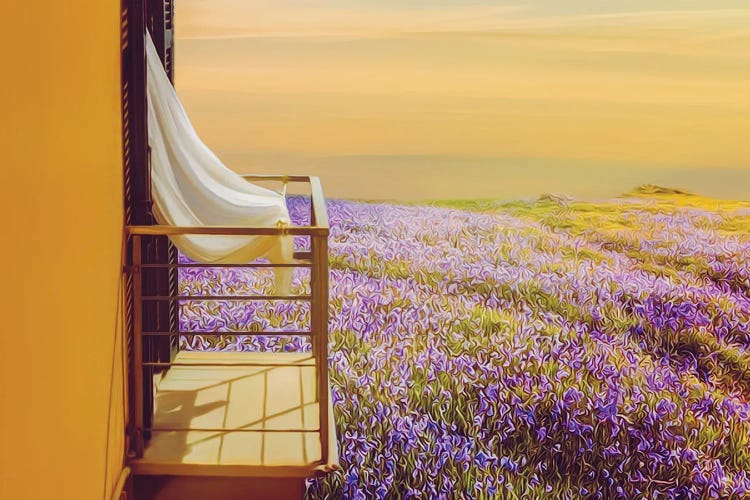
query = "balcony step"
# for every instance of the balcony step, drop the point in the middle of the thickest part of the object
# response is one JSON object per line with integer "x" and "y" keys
{"x": 217, "y": 488}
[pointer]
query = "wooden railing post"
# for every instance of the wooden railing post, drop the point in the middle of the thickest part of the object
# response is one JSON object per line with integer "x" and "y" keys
{"x": 319, "y": 316}
{"x": 313, "y": 279}
{"x": 138, "y": 345}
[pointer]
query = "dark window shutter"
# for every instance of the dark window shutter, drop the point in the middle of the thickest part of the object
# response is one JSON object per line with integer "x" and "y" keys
{"x": 136, "y": 15}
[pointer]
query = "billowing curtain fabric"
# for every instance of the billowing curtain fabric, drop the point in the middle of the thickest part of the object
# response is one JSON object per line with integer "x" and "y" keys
{"x": 190, "y": 186}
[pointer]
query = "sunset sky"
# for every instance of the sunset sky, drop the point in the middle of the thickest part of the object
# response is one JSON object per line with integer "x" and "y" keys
{"x": 474, "y": 99}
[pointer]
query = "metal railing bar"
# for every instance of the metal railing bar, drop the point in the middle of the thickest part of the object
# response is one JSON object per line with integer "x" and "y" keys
{"x": 165, "y": 230}
{"x": 197, "y": 429}
{"x": 225, "y": 297}
{"x": 228, "y": 334}
{"x": 303, "y": 363}
{"x": 220, "y": 266}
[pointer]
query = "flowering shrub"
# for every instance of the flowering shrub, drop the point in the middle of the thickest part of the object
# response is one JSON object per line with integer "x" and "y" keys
{"x": 552, "y": 349}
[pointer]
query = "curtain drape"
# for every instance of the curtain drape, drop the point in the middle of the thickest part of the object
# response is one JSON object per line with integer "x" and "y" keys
{"x": 190, "y": 186}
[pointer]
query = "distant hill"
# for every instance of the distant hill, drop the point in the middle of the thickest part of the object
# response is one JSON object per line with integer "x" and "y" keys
{"x": 651, "y": 189}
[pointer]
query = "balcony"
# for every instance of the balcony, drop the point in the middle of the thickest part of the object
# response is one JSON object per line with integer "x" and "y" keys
{"x": 238, "y": 414}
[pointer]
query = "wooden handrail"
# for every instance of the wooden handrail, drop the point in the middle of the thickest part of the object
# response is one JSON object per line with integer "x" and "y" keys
{"x": 318, "y": 215}
{"x": 264, "y": 177}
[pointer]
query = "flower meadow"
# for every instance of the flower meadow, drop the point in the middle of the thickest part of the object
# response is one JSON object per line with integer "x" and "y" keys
{"x": 543, "y": 349}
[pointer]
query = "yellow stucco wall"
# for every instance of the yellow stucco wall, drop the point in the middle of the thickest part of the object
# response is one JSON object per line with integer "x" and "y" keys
{"x": 60, "y": 234}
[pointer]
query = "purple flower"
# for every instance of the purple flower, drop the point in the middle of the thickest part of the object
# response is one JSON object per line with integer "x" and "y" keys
{"x": 509, "y": 464}
{"x": 474, "y": 351}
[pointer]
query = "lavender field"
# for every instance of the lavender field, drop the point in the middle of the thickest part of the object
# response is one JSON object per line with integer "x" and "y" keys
{"x": 546, "y": 349}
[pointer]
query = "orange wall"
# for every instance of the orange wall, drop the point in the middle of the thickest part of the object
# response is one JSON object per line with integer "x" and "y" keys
{"x": 60, "y": 231}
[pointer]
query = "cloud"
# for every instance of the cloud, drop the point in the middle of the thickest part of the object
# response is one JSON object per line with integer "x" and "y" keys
{"x": 226, "y": 19}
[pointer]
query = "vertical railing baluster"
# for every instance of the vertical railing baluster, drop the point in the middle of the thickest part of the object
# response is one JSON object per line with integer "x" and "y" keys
{"x": 138, "y": 345}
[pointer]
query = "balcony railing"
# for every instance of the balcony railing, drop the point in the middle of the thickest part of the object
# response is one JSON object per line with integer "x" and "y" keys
{"x": 316, "y": 260}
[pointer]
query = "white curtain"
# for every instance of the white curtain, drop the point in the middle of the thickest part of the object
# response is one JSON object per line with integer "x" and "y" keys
{"x": 190, "y": 186}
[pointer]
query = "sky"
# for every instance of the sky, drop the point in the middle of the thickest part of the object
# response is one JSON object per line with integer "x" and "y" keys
{"x": 446, "y": 99}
